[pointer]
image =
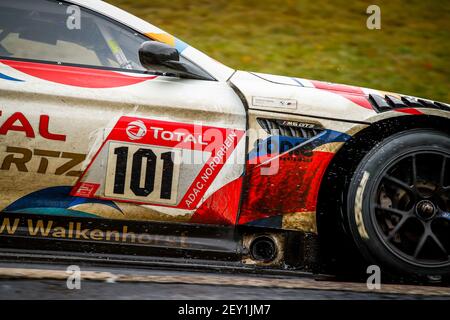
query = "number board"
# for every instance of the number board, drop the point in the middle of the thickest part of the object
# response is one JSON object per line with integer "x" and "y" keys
{"x": 142, "y": 172}
{"x": 154, "y": 162}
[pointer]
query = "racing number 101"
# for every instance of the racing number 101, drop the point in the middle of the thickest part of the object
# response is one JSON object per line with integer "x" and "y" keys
{"x": 150, "y": 158}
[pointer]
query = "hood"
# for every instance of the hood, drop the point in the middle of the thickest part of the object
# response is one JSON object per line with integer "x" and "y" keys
{"x": 323, "y": 99}
{"x": 300, "y": 82}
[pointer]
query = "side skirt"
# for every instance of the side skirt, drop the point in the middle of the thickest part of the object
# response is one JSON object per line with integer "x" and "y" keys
{"x": 59, "y": 239}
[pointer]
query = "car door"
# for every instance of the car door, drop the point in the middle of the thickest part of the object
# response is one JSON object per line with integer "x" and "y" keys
{"x": 86, "y": 131}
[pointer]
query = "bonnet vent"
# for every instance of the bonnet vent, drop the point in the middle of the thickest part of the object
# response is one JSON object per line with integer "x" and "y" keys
{"x": 290, "y": 128}
{"x": 388, "y": 102}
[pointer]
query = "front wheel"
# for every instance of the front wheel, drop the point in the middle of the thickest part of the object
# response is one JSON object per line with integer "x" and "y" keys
{"x": 398, "y": 204}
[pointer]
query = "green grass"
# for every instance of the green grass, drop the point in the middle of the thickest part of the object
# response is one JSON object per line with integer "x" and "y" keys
{"x": 320, "y": 39}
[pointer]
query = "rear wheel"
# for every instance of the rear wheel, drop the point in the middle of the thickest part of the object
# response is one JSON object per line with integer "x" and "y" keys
{"x": 398, "y": 204}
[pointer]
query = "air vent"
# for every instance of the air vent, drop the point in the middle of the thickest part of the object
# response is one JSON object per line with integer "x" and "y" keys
{"x": 290, "y": 128}
{"x": 389, "y": 102}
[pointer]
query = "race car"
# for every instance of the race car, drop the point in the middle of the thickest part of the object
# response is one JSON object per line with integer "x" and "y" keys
{"x": 119, "y": 141}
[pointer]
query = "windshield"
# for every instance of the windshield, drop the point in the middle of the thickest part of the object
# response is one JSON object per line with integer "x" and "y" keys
{"x": 58, "y": 32}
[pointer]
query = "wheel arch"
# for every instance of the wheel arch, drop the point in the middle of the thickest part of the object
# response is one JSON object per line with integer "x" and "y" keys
{"x": 331, "y": 222}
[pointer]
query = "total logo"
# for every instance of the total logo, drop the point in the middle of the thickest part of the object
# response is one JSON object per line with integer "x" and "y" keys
{"x": 136, "y": 130}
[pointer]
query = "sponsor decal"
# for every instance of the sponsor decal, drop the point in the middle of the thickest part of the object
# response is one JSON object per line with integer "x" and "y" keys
{"x": 306, "y": 125}
{"x": 18, "y": 122}
{"x": 75, "y": 230}
{"x": 87, "y": 189}
{"x": 210, "y": 170}
{"x": 274, "y": 102}
{"x": 136, "y": 130}
{"x": 153, "y": 162}
{"x": 20, "y": 157}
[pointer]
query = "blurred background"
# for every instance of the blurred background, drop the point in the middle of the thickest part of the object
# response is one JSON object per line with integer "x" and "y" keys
{"x": 317, "y": 39}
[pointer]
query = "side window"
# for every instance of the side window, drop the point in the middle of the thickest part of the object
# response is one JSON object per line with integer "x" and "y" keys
{"x": 55, "y": 31}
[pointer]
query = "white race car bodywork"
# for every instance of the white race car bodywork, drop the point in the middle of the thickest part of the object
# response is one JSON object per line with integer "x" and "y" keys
{"x": 62, "y": 126}
{"x": 86, "y": 116}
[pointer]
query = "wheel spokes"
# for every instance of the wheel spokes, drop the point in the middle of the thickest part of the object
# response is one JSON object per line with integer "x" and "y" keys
{"x": 411, "y": 196}
{"x": 439, "y": 243}
{"x": 398, "y": 182}
{"x": 393, "y": 210}
{"x": 420, "y": 245}
{"x": 397, "y": 227}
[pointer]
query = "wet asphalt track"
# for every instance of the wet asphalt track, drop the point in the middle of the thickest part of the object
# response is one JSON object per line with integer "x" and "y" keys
{"x": 53, "y": 289}
{"x": 19, "y": 281}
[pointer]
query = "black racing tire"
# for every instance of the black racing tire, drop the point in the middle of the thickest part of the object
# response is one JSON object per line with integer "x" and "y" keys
{"x": 398, "y": 204}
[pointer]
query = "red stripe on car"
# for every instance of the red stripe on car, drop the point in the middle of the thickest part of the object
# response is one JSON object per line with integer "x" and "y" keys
{"x": 76, "y": 76}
